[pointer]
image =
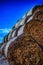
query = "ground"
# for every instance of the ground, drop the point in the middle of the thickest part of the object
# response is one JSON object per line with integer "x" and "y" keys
{"x": 3, "y": 61}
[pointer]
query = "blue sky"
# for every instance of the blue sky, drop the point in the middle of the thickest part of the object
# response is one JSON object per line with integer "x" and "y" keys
{"x": 11, "y": 11}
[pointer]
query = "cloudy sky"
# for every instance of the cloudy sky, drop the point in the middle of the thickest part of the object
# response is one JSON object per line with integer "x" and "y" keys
{"x": 11, "y": 11}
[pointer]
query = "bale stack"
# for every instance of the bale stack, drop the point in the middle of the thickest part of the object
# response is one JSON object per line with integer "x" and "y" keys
{"x": 14, "y": 31}
{"x": 24, "y": 44}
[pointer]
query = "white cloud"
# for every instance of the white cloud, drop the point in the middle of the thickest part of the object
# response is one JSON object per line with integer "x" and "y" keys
{"x": 4, "y": 30}
{"x": 1, "y": 39}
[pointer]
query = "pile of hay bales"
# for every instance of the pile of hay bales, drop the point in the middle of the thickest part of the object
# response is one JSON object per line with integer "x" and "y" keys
{"x": 24, "y": 43}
